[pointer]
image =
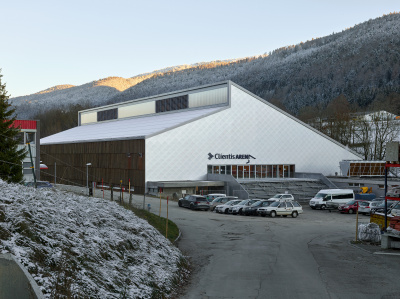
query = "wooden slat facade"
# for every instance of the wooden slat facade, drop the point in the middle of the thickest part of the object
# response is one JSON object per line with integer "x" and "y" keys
{"x": 110, "y": 162}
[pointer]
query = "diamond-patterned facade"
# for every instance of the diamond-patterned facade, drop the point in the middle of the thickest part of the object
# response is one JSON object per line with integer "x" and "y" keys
{"x": 248, "y": 126}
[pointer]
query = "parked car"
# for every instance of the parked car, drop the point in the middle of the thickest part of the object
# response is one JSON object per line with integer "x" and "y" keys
{"x": 282, "y": 197}
{"x": 224, "y": 208}
{"x": 381, "y": 207}
{"x": 366, "y": 206}
{"x": 350, "y": 207}
{"x": 186, "y": 197}
{"x": 212, "y": 196}
{"x": 238, "y": 208}
{"x": 39, "y": 184}
{"x": 220, "y": 200}
{"x": 282, "y": 208}
{"x": 395, "y": 211}
{"x": 252, "y": 210}
{"x": 195, "y": 202}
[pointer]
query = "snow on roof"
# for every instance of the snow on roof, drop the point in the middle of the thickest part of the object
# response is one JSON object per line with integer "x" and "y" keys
{"x": 126, "y": 129}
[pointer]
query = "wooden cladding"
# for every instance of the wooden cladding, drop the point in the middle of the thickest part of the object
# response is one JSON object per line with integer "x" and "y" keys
{"x": 367, "y": 169}
{"x": 111, "y": 161}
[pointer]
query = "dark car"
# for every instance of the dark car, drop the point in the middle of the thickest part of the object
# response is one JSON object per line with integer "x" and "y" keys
{"x": 39, "y": 184}
{"x": 252, "y": 210}
{"x": 381, "y": 207}
{"x": 194, "y": 202}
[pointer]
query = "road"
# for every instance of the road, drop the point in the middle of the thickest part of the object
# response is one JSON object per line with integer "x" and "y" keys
{"x": 260, "y": 257}
{"x": 239, "y": 257}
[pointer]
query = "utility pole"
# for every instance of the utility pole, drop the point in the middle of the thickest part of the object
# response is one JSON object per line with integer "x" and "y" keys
{"x": 33, "y": 167}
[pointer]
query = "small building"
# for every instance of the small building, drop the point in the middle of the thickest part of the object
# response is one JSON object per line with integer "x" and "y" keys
{"x": 185, "y": 135}
{"x": 29, "y": 133}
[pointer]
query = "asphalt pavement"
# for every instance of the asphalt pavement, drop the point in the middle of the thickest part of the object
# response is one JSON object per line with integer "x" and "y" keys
{"x": 311, "y": 256}
{"x": 261, "y": 257}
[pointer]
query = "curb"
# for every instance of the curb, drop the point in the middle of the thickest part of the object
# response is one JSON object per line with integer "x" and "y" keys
{"x": 178, "y": 237}
{"x": 34, "y": 287}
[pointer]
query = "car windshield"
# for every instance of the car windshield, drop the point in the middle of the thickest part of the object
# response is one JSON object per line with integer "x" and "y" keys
{"x": 382, "y": 204}
{"x": 217, "y": 199}
{"x": 266, "y": 203}
{"x": 364, "y": 203}
{"x": 275, "y": 204}
{"x": 256, "y": 204}
{"x": 243, "y": 202}
{"x": 351, "y": 202}
{"x": 396, "y": 206}
{"x": 321, "y": 195}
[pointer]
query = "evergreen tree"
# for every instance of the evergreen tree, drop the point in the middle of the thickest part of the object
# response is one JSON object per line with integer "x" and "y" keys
{"x": 10, "y": 157}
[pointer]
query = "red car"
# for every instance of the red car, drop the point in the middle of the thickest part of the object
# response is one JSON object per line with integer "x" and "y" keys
{"x": 350, "y": 207}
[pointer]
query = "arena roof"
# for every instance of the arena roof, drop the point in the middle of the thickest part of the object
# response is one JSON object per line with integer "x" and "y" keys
{"x": 134, "y": 128}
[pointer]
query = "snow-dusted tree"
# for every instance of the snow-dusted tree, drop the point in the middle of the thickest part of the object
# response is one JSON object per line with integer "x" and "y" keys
{"x": 362, "y": 137}
{"x": 386, "y": 129}
{"x": 10, "y": 156}
{"x": 373, "y": 131}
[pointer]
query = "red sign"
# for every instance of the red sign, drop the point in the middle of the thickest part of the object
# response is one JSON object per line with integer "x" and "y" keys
{"x": 25, "y": 124}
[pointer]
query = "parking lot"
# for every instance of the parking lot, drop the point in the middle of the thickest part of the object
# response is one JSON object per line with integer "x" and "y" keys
{"x": 310, "y": 256}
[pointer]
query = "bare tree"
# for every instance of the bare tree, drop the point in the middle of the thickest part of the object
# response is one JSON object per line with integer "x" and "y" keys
{"x": 372, "y": 132}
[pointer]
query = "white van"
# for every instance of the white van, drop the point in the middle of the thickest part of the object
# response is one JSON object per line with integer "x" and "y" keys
{"x": 331, "y": 198}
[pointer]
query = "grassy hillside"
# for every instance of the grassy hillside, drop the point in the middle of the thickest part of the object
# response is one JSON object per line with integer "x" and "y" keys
{"x": 80, "y": 247}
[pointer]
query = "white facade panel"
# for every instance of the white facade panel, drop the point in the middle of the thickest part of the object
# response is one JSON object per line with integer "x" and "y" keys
{"x": 88, "y": 117}
{"x": 208, "y": 97}
{"x": 137, "y": 109}
{"x": 250, "y": 127}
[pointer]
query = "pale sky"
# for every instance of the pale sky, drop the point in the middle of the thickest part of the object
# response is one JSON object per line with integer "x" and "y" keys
{"x": 47, "y": 43}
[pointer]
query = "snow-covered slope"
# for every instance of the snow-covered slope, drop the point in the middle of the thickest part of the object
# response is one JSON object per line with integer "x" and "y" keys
{"x": 82, "y": 247}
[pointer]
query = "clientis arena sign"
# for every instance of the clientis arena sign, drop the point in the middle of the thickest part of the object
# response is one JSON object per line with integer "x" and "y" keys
{"x": 230, "y": 157}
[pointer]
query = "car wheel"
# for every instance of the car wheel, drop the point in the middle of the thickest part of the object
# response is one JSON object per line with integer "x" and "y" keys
{"x": 226, "y": 211}
{"x": 272, "y": 214}
{"x": 295, "y": 214}
{"x": 240, "y": 212}
{"x": 191, "y": 207}
{"x": 323, "y": 207}
{"x": 179, "y": 204}
{"x": 351, "y": 211}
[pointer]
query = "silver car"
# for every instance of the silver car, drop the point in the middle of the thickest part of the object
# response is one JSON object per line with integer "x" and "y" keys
{"x": 224, "y": 208}
{"x": 221, "y": 200}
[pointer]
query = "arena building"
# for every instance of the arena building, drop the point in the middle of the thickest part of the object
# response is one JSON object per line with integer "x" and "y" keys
{"x": 178, "y": 139}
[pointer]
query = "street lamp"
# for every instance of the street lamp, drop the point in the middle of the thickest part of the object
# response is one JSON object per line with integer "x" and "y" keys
{"x": 87, "y": 177}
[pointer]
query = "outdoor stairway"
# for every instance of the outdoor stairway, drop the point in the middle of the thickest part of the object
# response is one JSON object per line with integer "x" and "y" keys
{"x": 301, "y": 189}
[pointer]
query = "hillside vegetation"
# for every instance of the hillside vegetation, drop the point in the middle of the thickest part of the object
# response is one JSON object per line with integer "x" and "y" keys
{"x": 361, "y": 64}
{"x": 80, "y": 247}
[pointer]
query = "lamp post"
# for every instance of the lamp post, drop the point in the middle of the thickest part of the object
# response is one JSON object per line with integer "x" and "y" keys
{"x": 87, "y": 177}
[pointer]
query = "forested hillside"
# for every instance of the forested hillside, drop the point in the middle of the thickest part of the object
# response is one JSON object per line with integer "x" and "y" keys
{"x": 360, "y": 64}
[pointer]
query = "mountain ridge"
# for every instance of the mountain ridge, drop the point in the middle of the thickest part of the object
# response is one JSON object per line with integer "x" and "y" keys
{"x": 362, "y": 63}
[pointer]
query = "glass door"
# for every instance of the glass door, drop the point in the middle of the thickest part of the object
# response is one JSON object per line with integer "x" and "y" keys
{"x": 240, "y": 172}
